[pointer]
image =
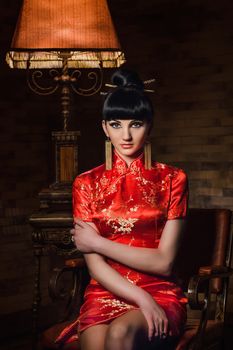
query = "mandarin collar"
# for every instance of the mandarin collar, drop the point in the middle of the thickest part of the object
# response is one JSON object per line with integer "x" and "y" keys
{"x": 121, "y": 167}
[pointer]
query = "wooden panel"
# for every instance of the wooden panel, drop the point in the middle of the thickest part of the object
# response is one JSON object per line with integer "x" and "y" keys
{"x": 67, "y": 171}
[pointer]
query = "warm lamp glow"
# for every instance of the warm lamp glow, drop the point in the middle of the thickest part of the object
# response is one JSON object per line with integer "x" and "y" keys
{"x": 84, "y": 28}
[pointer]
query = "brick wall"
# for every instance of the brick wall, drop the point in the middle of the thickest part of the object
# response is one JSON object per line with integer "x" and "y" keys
{"x": 187, "y": 47}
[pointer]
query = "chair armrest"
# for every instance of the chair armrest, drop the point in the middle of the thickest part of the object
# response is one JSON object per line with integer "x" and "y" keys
{"x": 202, "y": 280}
{"x": 214, "y": 270}
{"x": 71, "y": 265}
{"x": 75, "y": 263}
{"x": 72, "y": 292}
{"x": 57, "y": 292}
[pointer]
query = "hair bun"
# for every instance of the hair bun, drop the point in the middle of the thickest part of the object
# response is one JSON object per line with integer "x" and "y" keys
{"x": 127, "y": 79}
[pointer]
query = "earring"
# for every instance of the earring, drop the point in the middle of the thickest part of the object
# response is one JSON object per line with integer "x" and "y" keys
{"x": 147, "y": 155}
{"x": 108, "y": 154}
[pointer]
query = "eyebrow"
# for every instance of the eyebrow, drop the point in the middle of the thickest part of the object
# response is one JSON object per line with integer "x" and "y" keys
{"x": 131, "y": 120}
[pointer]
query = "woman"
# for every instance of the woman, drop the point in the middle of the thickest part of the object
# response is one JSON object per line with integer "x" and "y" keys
{"x": 128, "y": 223}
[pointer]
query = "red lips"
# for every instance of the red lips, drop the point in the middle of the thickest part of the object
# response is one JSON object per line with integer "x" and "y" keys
{"x": 126, "y": 145}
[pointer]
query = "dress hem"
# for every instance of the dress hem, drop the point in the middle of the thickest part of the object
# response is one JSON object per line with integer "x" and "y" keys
{"x": 108, "y": 319}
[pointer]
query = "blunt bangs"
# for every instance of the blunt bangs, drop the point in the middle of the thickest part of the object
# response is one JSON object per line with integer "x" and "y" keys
{"x": 125, "y": 103}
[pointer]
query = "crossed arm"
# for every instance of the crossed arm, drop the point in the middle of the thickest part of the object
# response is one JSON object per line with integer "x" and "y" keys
{"x": 150, "y": 260}
{"x": 157, "y": 261}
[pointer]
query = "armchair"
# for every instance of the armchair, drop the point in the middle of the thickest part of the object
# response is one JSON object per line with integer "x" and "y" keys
{"x": 202, "y": 268}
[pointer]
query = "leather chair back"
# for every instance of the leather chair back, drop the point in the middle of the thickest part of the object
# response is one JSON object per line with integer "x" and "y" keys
{"x": 205, "y": 242}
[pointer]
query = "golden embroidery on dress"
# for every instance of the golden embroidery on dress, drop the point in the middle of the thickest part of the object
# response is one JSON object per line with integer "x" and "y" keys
{"x": 108, "y": 186}
{"x": 120, "y": 168}
{"x": 104, "y": 181}
{"x": 150, "y": 189}
{"x": 115, "y": 304}
{"x": 121, "y": 225}
{"x": 134, "y": 208}
{"x": 133, "y": 277}
{"x": 134, "y": 169}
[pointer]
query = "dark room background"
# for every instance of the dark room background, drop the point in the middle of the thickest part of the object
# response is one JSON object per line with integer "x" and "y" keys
{"x": 187, "y": 46}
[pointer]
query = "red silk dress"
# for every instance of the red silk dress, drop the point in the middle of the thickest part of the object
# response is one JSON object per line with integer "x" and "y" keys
{"x": 130, "y": 205}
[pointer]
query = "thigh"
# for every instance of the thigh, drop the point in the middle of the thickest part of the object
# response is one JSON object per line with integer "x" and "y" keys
{"x": 133, "y": 326}
{"x": 93, "y": 337}
{"x": 134, "y": 318}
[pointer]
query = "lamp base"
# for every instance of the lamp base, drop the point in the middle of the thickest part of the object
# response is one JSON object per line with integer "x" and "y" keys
{"x": 66, "y": 158}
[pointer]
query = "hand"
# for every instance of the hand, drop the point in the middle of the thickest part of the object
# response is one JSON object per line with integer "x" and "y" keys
{"x": 84, "y": 236}
{"x": 155, "y": 316}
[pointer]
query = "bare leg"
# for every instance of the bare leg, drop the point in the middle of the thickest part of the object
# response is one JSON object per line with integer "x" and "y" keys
{"x": 130, "y": 332}
{"x": 93, "y": 337}
{"x": 127, "y": 332}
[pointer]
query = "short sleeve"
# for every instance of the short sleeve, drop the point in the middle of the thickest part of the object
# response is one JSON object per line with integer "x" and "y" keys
{"x": 178, "y": 204}
{"x": 81, "y": 197}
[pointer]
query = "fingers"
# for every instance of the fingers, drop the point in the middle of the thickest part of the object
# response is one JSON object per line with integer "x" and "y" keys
{"x": 76, "y": 220}
{"x": 79, "y": 223}
{"x": 165, "y": 326}
{"x": 151, "y": 327}
{"x": 155, "y": 326}
{"x": 157, "y": 323}
{"x": 72, "y": 232}
{"x": 160, "y": 326}
{"x": 163, "y": 329}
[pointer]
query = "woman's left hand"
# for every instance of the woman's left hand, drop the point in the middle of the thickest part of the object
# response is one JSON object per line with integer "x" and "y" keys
{"x": 84, "y": 236}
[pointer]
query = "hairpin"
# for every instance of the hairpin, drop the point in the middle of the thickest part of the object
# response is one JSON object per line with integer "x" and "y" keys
{"x": 146, "y": 82}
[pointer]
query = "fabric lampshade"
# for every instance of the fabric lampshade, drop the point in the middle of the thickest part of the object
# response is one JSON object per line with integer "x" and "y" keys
{"x": 81, "y": 28}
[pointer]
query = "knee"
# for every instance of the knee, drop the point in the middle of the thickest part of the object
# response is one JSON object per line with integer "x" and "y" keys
{"x": 116, "y": 337}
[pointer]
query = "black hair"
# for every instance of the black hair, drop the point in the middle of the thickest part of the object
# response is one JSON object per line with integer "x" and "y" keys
{"x": 127, "y": 100}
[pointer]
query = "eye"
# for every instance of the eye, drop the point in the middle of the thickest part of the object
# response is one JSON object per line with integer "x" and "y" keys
{"x": 137, "y": 124}
{"x": 115, "y": 125}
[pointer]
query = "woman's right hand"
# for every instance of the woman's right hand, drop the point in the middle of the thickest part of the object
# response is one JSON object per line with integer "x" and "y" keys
{"x": 154, "y": 314}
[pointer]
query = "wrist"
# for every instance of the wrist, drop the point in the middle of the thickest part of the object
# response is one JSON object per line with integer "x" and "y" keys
{"x": 97, "y": 244}
{"x": 139, "y": 295}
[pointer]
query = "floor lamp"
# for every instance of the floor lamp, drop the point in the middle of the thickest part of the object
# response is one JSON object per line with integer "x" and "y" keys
{"x": 65, "y": 37}
{"x": 61, "y": 37}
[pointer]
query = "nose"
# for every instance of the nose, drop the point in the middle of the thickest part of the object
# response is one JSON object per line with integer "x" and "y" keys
{"x": 126, "y": 134}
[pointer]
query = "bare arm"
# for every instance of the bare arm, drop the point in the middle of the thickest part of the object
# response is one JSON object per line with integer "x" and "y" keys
{"x": 109, "y": 278}
{"x": 118, "y": 285}
{"x": 151, "y": 260}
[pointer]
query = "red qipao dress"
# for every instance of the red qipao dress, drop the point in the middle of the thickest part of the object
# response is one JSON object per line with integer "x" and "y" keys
{"x": 130, "y": 205}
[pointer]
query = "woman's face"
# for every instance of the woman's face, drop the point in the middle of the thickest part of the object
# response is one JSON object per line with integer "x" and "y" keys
{"x": 127, "y": 136}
